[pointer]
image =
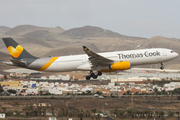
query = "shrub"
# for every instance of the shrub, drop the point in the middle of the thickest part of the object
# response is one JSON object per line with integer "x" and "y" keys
{"x": 178, "y": 97}
{"x": 170, "y": 113}
{"x": 12, "y": 91}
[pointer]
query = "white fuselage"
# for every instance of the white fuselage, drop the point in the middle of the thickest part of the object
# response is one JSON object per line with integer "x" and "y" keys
{"x": 135, "y": 57}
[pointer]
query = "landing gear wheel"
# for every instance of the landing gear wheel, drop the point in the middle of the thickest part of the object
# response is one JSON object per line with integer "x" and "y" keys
{"x": 88, "y": 77}
{"x": 162, "y": 67}
{"x": 99, "y": 73}
{"x": 94, "y": 76}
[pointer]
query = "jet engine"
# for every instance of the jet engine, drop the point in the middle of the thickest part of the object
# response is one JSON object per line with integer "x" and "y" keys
{"x": 124, "y": 65}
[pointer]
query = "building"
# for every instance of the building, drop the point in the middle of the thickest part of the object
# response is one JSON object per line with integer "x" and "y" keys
{"x": 19, "y": 75}
{"x": 11, "y": 83}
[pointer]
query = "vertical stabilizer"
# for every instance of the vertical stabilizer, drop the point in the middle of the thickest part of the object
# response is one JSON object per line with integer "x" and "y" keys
{"x": 16, "y": 51}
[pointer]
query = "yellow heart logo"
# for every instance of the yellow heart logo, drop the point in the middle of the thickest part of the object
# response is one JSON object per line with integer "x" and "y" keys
{"x": 15, "y": 52}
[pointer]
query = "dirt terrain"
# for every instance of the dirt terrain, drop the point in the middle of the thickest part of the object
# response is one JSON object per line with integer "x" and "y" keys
{"x": 106, "y": 104}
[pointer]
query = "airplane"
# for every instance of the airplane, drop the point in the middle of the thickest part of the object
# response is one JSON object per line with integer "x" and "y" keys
{"x": 91, "y": 61}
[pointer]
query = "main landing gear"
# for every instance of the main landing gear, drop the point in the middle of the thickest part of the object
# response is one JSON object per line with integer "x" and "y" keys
{"x": 162, "y": 67}
{"x": 93, "y": 75}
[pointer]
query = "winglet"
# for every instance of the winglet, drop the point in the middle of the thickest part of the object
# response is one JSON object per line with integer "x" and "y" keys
{"x": 85, "y": 48}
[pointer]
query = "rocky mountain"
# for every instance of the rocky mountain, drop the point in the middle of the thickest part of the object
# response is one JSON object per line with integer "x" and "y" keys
{"x": 91, "y": 31}
{"x": 25, "y": 29}
{"x": 4, "y": 28}
{"x": 4, "y": 57}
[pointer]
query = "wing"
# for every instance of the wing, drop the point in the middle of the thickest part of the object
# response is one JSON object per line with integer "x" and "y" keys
{"x": 95, "y": 59}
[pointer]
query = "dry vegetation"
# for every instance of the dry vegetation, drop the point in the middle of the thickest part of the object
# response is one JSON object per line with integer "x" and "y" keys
{"x": 107, "y": 105}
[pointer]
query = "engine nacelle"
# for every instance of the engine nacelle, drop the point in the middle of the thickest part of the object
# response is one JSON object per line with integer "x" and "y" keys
{"x": 124, "y": 65}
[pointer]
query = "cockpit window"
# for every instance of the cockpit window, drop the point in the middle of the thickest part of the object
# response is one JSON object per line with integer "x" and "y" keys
{"x": 172, "y": 51}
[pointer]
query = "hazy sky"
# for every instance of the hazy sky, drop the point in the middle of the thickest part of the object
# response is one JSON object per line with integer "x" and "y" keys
{"x": 142, "y": 18}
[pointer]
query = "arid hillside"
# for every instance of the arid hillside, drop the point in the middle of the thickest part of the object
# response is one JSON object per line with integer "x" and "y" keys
{"x": 25, "y": 29}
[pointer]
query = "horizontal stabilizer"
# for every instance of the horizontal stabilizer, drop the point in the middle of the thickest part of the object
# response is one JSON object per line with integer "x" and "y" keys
{"x": 8, "y": 63}
{"x": 19, "y": 63}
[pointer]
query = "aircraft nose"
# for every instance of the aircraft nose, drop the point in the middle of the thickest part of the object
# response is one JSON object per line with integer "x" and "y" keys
{"x": 177, "y": 54}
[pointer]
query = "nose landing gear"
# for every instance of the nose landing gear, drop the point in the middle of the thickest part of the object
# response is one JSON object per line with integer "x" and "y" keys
{"x": 88, "y": 77}
{"x": 162, "y": 67}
